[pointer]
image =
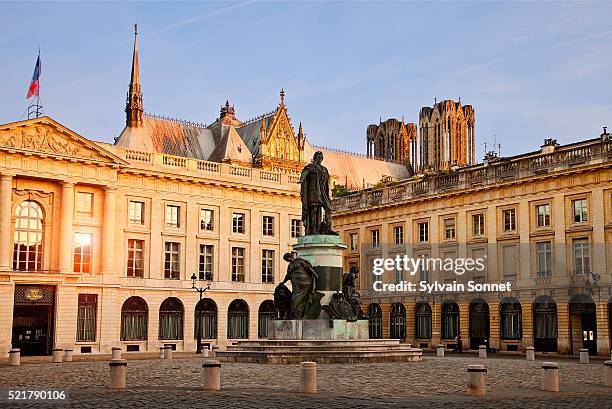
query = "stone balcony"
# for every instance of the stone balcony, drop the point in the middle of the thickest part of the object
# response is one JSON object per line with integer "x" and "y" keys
{"x": 491, "y": 172}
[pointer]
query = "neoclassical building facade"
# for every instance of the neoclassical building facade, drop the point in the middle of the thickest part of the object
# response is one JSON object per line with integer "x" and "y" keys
{"x": 541, "y": 221}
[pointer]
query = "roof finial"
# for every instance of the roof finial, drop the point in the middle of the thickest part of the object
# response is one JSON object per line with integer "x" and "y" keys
{"x": 282, "y": 95}
{"x": 459, "y": 98}
{"x": 135, "y": 29}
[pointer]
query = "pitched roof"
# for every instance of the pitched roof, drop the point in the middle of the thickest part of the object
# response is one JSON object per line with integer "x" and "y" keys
{"x": 230, "y": 147}
{"x": 250, "y": 131}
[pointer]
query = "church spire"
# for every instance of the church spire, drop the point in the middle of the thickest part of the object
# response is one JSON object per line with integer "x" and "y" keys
{"x": 133, "y": 104}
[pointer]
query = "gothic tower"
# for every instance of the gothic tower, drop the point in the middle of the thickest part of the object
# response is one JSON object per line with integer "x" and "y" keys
{"x": 446, "y": 135}
{"x": 393, "y": 140}
{"x": 133, "y": 103}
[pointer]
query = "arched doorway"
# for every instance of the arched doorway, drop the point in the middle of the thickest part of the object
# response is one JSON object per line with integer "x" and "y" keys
{"x": 422, "y": 321}
{"x": 450, "y": 320}
{"x": 511, "y": 319}
{"x": 398, "y": 320}
{"x": 206, "y": 319}
{"x": 267, "y": 313}
{"x": 134, "y": 319}
{"x": 479, "y": 323}
{"x": 375, "y": 321}
{"x": 583, "y": 324}
{"x": 238, "y": 320}
{"x": 545, "y": 324}
{"x": 171, "y": 313}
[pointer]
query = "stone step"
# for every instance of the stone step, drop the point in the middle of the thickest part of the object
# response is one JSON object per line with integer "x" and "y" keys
{"x": 320, "y": 356}
{"x": 289, "y": 348}
{"x": 349, "y": 343}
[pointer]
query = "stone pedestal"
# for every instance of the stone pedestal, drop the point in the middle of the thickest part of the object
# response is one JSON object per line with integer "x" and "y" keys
{"x": 15, "y": 357}
{"x": 308, "y": 377}
{"x": 161, "y": 352}
{"x": 584, "y": 356}
{"x": 317, "y": 330}
{"x": 68, "y": 355}
{"x": 167, "y": 352}
{"x": 530, "y": 353}
{"x": 118, "y": 374}
{"x": 324, "y": 252}
{"x": 440, "y": 350}
{"x": 116, "y": 353}
{"x": 550, "y": 376}
{"x": 476, "y": 380}
{"x": 211, "y": 375}
{"x": 57, "y": 356}
{"x": 482, "y": 352}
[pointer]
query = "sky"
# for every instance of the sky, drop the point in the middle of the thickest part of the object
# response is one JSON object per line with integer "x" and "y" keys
{"x": 532, "y": 70}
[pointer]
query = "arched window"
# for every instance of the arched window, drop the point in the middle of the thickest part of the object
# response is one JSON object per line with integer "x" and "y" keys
{"x": 171, "y": 319}
{"x": 206, "y": 319}
{"x": 238, "y": 320}
{"x": 479, "y": 323}
{"x": 28, "y": 239}
{"x": 375, "y": 321}
{"x": 450, "y": 320}
{"x": 398, "y": 320}
{"x": 134, "y": 318}
{"x": 267, "y": 312}
{"x": 422, "y": 321}
{"x": 545, "y": 324}
{"x": 511, "y": 317}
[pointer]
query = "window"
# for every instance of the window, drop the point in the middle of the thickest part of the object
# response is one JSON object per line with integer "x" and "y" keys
{"x": 511, "y": 320}
{"x": 450, "y": 320}
{"x": 581, "y": 256}
{"x": 478, "y": 224}
{"x": 238, "y": 320}
{"x": 296, "y": 228}
{"x": 510, "y": 261}
{"x": 135, "y": 265}
{"x": 267, "y": 266}
{"x": 479, "y": 253}
{"x": 423, "y": 232}
{"x": 84, "y": 203}
{"x": 136, "y": 212}
{"x": 353, "y": 241}
{"x": 28, "y": 239}
{"x": 543, "y": 215}
{"x": 172, "y": 264}
{"x": 205, "y": 267}
{"x": 238, "y": 264}
{"x": 399, "y": 275}
{"x": 268, "y": 226}
{"x": 449, "y": 229}
{"x": 398, "y": 321}
{"x": 509, "y": 216}
{"x": 423, "y": 272}
{"x": 422, "y": 321}
{"x": 82, "y": 253}
{"x": 238, "y": 223}
{"x": 375, "y": 321}
{"x": 580, "y": 210}
{"x": 173, "y": 216}
{"x": 171, "y": 313}
{"x": 206, "y": 220}
{"x": 86, "y": 317}
{"x": 205, "y": 319}
{"x": 134, "y": 319}
{"x": 398, "y": 235}
{"x": 267, "y": 313}
{"x": 375, "y": 238}
{"x": 544, "y": 258}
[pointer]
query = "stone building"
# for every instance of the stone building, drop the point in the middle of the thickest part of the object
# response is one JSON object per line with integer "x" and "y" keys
{"x": 99, "y": 242}
{"x": 541, "y": 221}
{"x": 393, "y": 140}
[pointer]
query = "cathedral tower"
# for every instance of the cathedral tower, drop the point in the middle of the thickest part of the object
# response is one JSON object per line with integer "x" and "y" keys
{"x": 393, "y": 140}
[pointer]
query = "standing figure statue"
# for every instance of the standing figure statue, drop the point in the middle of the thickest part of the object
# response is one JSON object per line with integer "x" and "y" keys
{"x": 315, "y": 197}
{"x": 349, "y": 292}
{"x": 305, "y": 300}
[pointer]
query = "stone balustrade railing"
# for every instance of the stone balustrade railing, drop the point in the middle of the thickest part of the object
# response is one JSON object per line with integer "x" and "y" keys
{"x": 180, "y": 163}
{"x": 489, "y": 173}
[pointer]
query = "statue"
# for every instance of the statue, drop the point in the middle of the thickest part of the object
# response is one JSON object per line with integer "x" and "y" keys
{"x": 349, "y": 292}
{"x": 315, "y": 197}
{"x": 305, "y": 300}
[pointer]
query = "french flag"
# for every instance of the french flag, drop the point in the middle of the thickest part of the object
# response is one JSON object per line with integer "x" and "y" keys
{"x": 34, "y": 89}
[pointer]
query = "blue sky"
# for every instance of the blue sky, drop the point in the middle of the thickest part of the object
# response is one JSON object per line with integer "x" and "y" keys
{"x": 532, "y": 70}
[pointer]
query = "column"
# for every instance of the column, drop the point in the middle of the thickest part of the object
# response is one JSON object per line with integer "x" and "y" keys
{"x": 66, "y": 219}
{"x": 6, "y": 193}
{"x": 108, "y": 231}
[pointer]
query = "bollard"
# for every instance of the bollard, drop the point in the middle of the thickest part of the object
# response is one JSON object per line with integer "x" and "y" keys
{"x": 118, "y": 369}
{"x": 168, "y": 352}
{"x": 308, "y": 377}
{"x": 211, "y": 375}
{"x": 68, "y": 355}
{"x": 208, "y": 353}
{"x": 15, "y": 357}
{"x": 57, "y": 356}
{"x": 550, "y": 376}
{"x": 161, "y": 352}
{"x": 440, "y": 351}
{"x": 584, "y": 356}
{"x": 482, "y": 351}
{"x": 530, "y": 353}
{"x": 608, "y": 374}
{"x": 116, "y": 353}
{"x": 476, "y": 380}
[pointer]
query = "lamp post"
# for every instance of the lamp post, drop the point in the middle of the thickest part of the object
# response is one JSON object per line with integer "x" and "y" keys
{"x": 200, "y": 290}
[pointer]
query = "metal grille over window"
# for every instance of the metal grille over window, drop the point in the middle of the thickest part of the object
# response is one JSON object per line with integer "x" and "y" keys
{"x": 134, "y": 319}
{"x": 171, "y": 314}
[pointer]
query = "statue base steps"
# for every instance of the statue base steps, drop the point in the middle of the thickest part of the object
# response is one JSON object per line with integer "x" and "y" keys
{"x": 320, "y": 351}
{"x": 318, "y": 329}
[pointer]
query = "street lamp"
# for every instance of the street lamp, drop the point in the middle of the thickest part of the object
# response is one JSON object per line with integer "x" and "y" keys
{"x": 200, "y": 290}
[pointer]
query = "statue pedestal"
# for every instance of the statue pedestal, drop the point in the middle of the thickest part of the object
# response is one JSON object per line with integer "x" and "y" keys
{"x": 324, "y": 252}
{"x": 317, "y": 330}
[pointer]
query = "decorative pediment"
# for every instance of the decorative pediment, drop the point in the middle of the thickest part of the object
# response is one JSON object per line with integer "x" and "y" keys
{"x": 280, "y": 141}
{"x": 45, "y": 136}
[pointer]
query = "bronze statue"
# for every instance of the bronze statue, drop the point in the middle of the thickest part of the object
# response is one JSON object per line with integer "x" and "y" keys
{"x": 315, "y": 197}
{"x": 349, "y": 292}
{"x": 305, "y": 300}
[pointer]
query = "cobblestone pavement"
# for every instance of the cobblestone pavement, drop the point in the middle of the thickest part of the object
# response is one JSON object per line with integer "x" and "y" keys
{"x": 433, "y": 383}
